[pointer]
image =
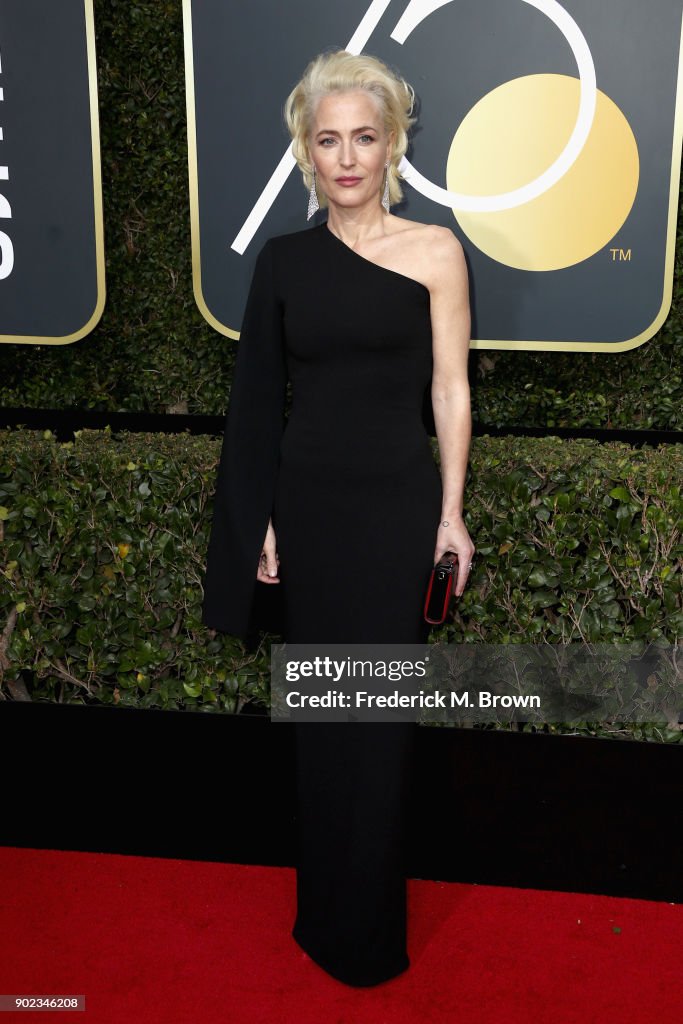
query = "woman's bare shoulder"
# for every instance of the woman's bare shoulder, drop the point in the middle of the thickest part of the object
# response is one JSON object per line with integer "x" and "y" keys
{"x": 435, "y": 253}
{"x": 433, "y": 237}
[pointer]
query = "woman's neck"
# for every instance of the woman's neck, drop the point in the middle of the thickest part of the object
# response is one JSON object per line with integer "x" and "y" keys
{"x": 356, "y": 225}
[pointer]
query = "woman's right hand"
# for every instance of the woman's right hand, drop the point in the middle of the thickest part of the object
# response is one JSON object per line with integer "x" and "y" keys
{"x": 269, "y": 560}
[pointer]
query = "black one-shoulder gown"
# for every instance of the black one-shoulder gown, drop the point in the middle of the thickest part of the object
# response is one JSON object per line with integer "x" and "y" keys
{"x": 352, "y": 487}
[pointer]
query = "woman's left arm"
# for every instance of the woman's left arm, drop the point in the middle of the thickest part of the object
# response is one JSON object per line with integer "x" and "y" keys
{"x": 451, "y": 324}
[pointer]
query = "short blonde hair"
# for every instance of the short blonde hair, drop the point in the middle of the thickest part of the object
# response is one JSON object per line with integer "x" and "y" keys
{"x": 339, "y": 71}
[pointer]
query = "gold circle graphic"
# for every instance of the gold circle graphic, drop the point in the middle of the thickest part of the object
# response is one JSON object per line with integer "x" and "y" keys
{"x": 511, "y": 136}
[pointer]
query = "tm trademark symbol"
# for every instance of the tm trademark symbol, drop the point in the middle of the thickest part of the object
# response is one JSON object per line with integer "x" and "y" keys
{"x": 621, "y": 255}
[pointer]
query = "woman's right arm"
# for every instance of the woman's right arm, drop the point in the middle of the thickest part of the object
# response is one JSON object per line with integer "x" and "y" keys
{"x": 243, "y": 497}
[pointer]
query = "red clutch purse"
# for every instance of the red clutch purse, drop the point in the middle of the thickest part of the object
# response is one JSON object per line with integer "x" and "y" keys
{"x": 440, "y": 588}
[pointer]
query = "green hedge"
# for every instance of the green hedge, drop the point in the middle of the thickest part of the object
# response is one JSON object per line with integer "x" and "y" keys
{"x": 103, "y": 541}
{"x": 153, "y": 352}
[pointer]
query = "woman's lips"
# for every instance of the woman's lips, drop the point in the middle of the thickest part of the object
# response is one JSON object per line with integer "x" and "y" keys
{"x": 347, "y": 182}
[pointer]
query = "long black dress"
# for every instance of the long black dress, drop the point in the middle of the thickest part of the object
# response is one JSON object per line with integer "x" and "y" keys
{"x": 351, "y": 486}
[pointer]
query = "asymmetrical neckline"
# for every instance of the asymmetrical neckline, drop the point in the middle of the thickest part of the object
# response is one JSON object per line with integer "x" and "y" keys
{"x": 378, "y": 266}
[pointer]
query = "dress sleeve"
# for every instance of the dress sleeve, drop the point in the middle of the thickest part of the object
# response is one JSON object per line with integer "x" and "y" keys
{"x": 247, "y": 471}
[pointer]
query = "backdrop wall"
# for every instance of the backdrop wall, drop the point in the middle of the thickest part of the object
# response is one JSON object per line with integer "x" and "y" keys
{"x": 152, "y": 351}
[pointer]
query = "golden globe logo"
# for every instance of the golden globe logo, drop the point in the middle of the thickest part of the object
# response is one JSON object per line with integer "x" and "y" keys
{"x": 528, "y": 197}
{"x": 505, "y": 139}
{"x": 536, "y": 171}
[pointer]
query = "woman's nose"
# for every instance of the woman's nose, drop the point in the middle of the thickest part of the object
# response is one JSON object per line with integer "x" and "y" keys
{"x": 346, "y": 156}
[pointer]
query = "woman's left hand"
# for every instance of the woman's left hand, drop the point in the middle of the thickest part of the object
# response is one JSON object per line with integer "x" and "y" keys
{"x": 455, "y": 537}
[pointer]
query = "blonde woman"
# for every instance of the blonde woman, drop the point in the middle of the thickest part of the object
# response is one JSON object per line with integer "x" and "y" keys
{"x": 343, "y": 506}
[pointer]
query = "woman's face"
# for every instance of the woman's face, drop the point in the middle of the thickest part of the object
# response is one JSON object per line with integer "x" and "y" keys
{"x": 349, "y": 148}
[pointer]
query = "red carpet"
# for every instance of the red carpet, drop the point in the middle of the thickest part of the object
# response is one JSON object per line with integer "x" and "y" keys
{"x": 152, "y": 940}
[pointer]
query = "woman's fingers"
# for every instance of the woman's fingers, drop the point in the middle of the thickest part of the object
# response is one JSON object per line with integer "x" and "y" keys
{"x": 269, "y": 560}
{"x": 464, "y": 569}
{"x": 460, "y": 542}
{"x": 268, "y": 568}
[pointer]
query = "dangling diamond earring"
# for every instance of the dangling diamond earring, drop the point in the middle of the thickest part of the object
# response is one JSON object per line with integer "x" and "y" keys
{"x": 313, "y": 203}
{"x": 385, "y": 194}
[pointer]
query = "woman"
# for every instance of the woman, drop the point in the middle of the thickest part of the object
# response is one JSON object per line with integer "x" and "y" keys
{"x": 345, "y": 508}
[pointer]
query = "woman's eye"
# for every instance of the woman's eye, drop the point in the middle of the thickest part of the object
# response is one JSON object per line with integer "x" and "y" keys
{"x": 323, "y": 142}
{"x": 366, "y": 138}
